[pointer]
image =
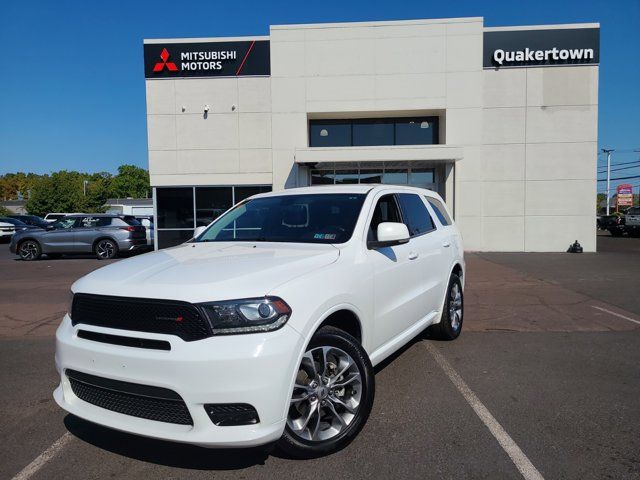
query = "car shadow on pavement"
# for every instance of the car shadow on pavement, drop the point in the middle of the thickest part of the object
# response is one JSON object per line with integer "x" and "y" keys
{"x": 161, "y": 452}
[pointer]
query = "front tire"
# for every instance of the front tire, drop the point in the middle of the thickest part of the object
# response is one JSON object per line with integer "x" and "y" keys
{"x": 450, "y": 324}
{"x": 29, "y": 250}
{"x": 106, "y": 249}
{"x": 332, "y": 396}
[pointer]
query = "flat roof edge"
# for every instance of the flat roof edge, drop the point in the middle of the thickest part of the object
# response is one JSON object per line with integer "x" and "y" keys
{"x": 203, "y": 39}
{"x": 542, "y": 27}
{"x": 378, "y": 23}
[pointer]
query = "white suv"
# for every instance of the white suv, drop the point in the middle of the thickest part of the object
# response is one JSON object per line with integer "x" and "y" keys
{"x": 266, "y": 326}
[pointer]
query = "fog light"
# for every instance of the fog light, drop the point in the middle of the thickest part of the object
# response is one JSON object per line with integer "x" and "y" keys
{"x": 230, "y": 414}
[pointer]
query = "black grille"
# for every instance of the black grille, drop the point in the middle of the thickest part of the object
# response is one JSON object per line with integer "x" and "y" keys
{"x": 143, "y": 401}
{"x": 124, "y": 341}
{"x": 141, "y": 314}
{"x": 227, "y": 414}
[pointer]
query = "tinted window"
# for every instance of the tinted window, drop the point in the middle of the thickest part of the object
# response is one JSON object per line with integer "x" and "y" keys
{"x": 129, "y": 220}
{"x": 421, "y": 177}
{"x": 329, "y": 133}
{"x": 416, "y": 215}
{"x": 13, "y": 221}
{"x": 321, "y": 218}
{"x": 175, "y": 207}
{"x": 374, "y": 131}
{"x": 416, "y": 131}
{"x": 439, "y": 210}
{"x": 370, "y": 176}
{"x": 396, "y": 176}
{"x": 346, "y": 177}
{"x": 245, "y": 192}
{"x": 386, "y": 211}
{"x": 322, "y": 177}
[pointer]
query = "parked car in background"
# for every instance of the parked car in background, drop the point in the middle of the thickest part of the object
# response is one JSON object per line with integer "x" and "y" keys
{"x": 104, "y": 235}
{"x": 267, "y": 325}
{"x": 31, "y": 220}
{"x": 147, "y": 222}
{"x": 18, "y": 225}
{"x": 54, "y": 217}
{"x": 6, "y": 231}
{"x": 632, "y": 221}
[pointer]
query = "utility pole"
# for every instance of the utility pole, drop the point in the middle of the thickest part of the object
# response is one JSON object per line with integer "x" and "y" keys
{"x": 608, "y": 152}
{"x": 84, "y": 188}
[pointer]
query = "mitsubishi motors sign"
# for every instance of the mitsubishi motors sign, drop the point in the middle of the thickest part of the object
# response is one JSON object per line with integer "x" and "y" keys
{"x": 207, "y": 59}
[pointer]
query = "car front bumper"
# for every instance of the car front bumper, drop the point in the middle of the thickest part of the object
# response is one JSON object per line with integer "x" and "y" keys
{"x": 256, "y": 369}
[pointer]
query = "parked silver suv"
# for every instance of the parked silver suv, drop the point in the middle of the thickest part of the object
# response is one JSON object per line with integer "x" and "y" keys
{"x": 104, "y": 235}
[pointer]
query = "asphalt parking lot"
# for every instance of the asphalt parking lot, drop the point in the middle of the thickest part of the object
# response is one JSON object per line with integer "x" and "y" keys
{"x": 550, "y": 348}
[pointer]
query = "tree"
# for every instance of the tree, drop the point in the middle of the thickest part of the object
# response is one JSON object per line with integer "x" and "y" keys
{"x": 131, "y": 181}
{"x": 4, "y": 211}
{"x": 60, "y": 192}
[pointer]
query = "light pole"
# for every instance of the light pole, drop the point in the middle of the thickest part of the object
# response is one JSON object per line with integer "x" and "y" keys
{"x": 608, "y": 152}
{"x": 84, "y": 187}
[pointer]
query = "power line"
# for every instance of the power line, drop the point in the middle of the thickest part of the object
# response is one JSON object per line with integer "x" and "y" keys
{"x": 622, "y": 168}
{"x": 618, "y": 164}
{"x": 619, "y": 178}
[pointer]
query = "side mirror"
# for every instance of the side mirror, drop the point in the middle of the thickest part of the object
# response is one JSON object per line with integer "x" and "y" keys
{"x": 198, "y": 231}
{"x": 390, "y": 234}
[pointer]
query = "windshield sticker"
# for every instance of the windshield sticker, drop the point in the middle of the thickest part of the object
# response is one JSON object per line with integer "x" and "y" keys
{"x": 324, "y": 236}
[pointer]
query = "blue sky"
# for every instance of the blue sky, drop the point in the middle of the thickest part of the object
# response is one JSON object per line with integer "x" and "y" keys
{"x": 72, "y": 82}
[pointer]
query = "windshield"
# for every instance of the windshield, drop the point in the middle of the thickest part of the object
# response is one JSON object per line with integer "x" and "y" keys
{"x": 313, "y": 218}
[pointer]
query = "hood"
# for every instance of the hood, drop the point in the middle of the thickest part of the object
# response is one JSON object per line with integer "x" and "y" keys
{"x": 201, "y": 272}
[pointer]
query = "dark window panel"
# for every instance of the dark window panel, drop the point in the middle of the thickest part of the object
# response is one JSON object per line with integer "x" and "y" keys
{"x": 372, "y": 131}
{"x": 440, "y": 211}
{"x": 171, "y": 238}
{"x": 211, "y": 202}
{"x": 175, "y": 207}
{"x": 416, "y": 131}
{"x": 329, "y": 133}
{"x": 246, "y": 192}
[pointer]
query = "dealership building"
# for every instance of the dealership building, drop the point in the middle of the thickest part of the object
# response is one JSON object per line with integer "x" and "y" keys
{"x": 502, "y": 122}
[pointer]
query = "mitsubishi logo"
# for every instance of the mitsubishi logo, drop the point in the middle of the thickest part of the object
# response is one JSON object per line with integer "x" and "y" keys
{"x": 164, "y": 55}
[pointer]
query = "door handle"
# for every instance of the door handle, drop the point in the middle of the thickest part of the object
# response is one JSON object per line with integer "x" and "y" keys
{"x": 446, "y": 244}
{"x": 413, "y": 255}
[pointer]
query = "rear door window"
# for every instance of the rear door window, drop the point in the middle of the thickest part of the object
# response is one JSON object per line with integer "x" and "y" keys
{"x": 439, "y": 210}
{"x": 415, "y": 214}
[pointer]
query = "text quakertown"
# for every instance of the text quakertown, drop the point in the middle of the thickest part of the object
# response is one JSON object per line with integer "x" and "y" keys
{"x": 529, "y": 55}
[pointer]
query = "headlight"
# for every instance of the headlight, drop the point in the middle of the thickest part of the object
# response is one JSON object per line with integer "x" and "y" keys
{"x": 247, "y": 315}
{"x": 69, "y": 302}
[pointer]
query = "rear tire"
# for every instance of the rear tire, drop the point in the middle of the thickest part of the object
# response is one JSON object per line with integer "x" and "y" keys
{"x": 450, "y": 324}
{"x": 106, "y": 249}
{"x": 332, "y": 397}
{"x": 29, "y": 250}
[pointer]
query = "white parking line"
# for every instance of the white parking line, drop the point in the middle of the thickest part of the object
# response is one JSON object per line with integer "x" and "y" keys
{"x": 522, "y": 463}
{"x": 44, "y": 457}
{"x": 615, "y": 314}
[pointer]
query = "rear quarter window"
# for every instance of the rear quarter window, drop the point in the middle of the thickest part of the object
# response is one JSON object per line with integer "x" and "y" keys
{"x": 415, "y": 214}
{"x": 440, "y": 211}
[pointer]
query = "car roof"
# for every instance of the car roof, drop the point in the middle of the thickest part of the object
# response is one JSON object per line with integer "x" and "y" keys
{"x": 107, "y": 215}
{"x": 356, "y": 188}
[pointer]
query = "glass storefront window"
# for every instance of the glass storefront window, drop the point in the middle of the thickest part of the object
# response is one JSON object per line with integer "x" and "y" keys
{"x": 346, "y": 177}
{"x": 421, "y": 177}
{"x": 211, "y": 202}
{"x": 171, "y": 238}
{"x": 370, "y": 176}
{"x": 175, "y": 207}
{"x": 245, "y": 192}
{"x": 321, "y": 177}
{"x": 395, "y": 176}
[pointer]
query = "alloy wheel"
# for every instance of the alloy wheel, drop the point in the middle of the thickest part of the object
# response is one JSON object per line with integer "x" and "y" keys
{"x": 326, "y": 396}
{"x": 105, "y": 249}
{"x": 29, "y": 250}
{"x": 455, "y": 307}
